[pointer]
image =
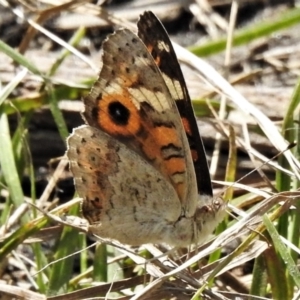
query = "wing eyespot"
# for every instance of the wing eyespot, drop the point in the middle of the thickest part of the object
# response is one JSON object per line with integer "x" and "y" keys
{"x": 119, "y": 113}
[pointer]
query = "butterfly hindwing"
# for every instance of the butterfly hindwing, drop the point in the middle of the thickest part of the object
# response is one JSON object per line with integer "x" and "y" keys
{"x": 121, "y": 191}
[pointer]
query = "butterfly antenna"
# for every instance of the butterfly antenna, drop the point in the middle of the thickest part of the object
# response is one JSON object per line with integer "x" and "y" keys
{"x": 258, "y": 169}
{"x": 240, "y": 212}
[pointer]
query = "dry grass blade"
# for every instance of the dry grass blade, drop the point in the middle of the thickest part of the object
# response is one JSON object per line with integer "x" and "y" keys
{"x": 234, "y": 230}
{"x": 217, "y": 81}
{"x": 11, "y": 292}
{"x": 50, "y": 252}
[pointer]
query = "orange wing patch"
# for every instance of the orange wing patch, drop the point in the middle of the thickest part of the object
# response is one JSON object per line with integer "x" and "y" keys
{"x": 117, "y": 114}
{"x": 164, "y": 149}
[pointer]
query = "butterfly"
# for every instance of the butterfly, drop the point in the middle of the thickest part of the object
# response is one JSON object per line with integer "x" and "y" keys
{"x": 139, "y": 162}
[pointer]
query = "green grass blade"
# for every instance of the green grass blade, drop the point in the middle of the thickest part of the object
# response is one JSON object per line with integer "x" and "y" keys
{"x": 284, "y": 253}
{"x": 17, "y": 237}
{"x": 260, "y": 279}
{"x": 75, "y": 40}
{"x": 19, "y": 58}
{"x": 62, "y": 270}
{"x": 57, "y": 114}
{"x": 100, "y": 263}
{"x": 286, "y": 20}
{"x": 288, "y": 225}
{"x": 8, "y": 164}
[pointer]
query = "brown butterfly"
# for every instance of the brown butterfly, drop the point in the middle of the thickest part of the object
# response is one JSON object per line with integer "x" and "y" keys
{"x": 139, "y": 164}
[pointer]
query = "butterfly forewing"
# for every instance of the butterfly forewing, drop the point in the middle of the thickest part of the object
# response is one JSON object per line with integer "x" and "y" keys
{"x": 132, "y": 103}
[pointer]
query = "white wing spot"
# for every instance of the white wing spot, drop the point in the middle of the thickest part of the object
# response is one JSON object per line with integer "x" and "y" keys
{"x": 174, "y": 87}
{"x": 163, "y": 46}
{"x": 157, "y": 100}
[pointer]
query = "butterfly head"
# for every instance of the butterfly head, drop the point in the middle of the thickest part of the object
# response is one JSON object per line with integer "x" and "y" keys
{"x": 210, "y": 212}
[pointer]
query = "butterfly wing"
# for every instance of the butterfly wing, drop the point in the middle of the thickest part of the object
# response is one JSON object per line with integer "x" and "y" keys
{"x": 131, "y": 102}
{"x": 157, "y": 41}
{"x": 125, "y": 198}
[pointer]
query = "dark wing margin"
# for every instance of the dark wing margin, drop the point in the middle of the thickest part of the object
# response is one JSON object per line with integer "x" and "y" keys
{"x": 153, "y": 34}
